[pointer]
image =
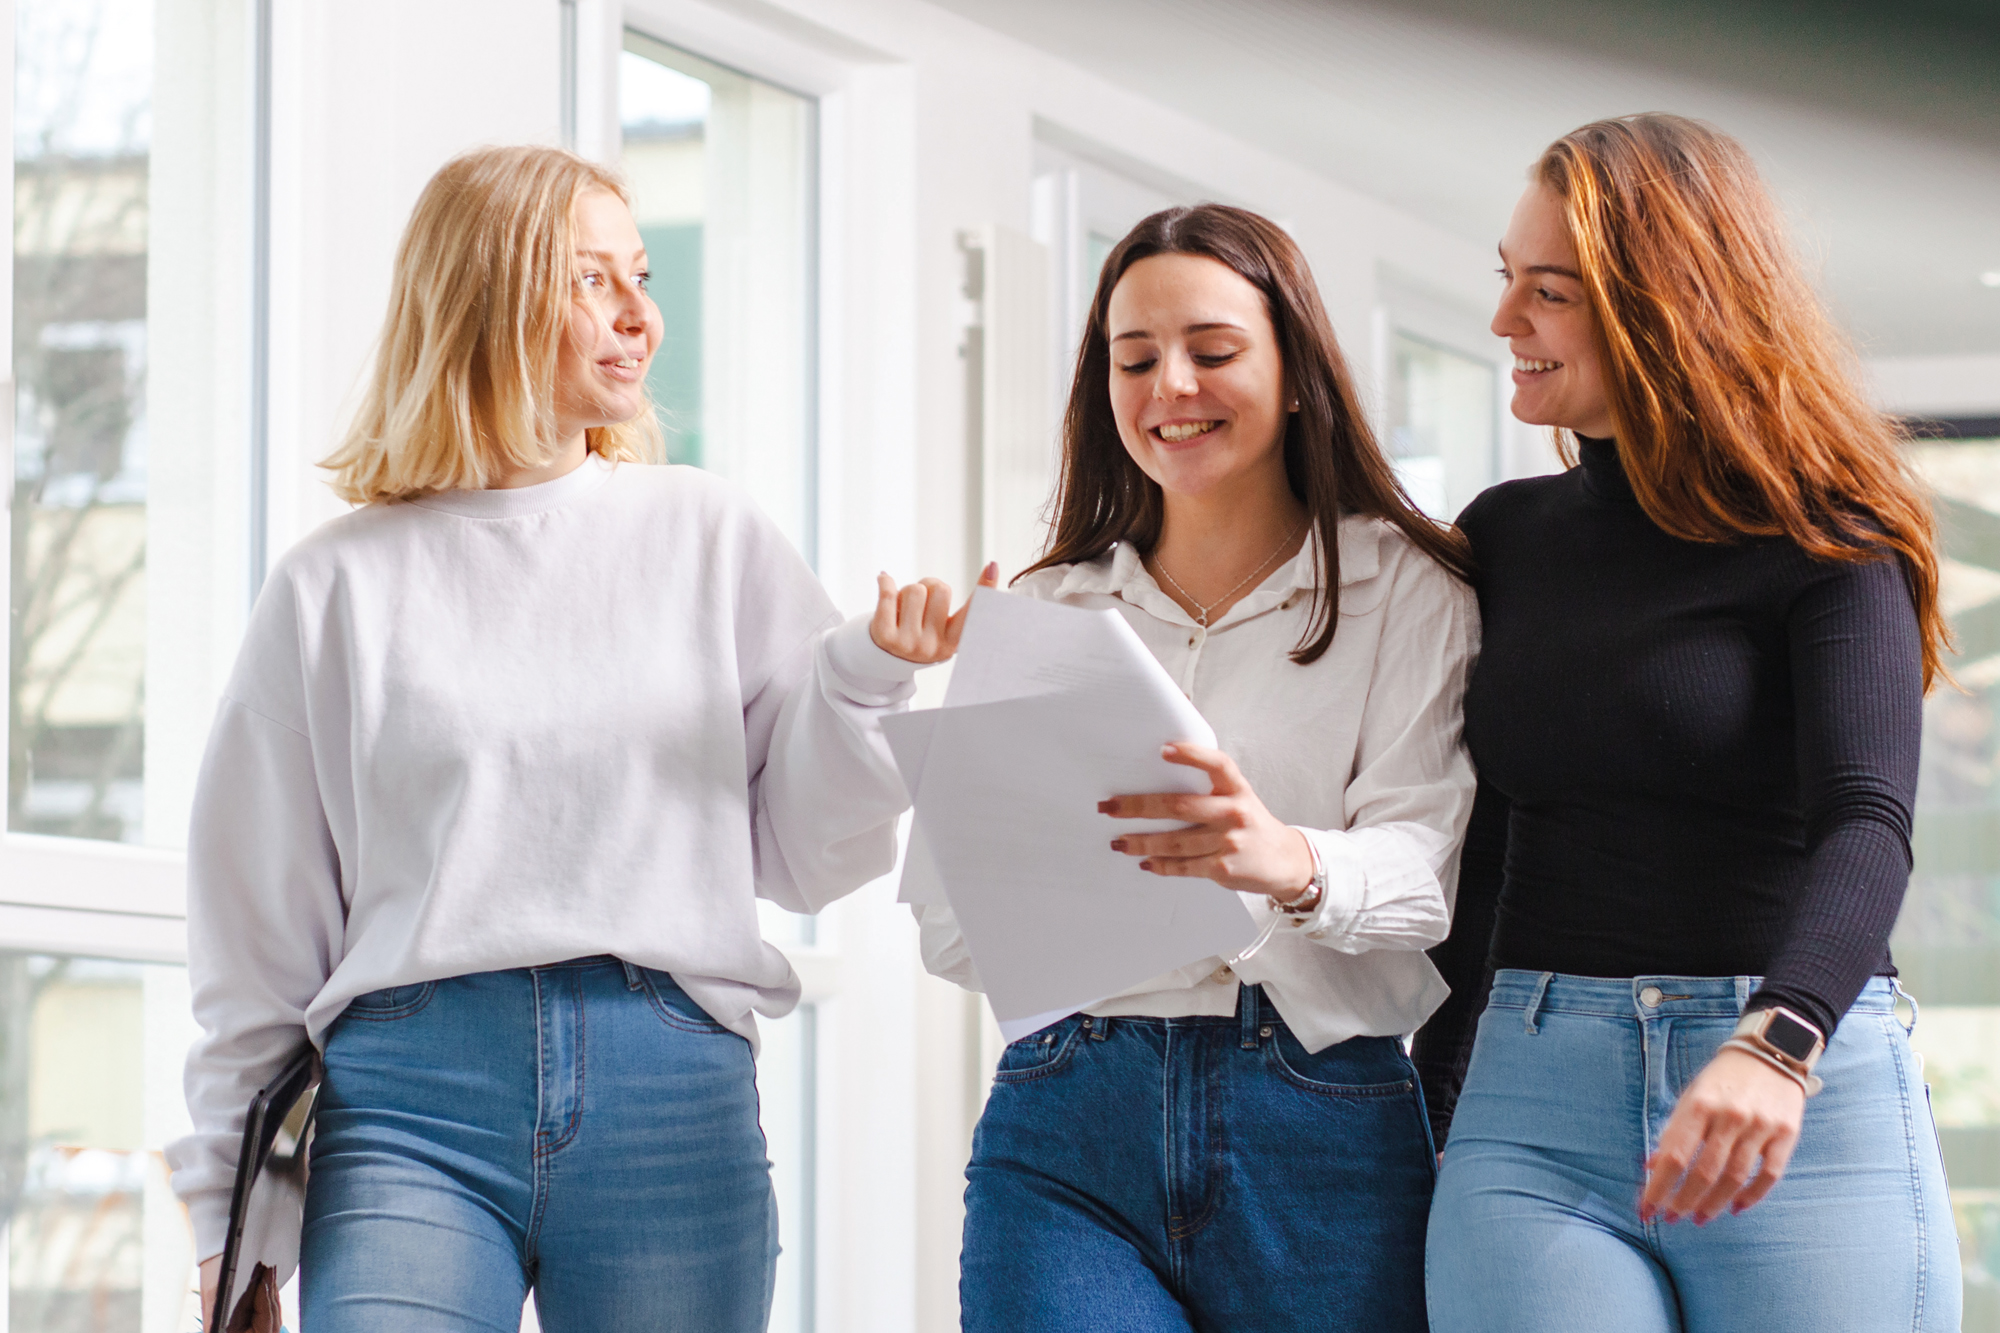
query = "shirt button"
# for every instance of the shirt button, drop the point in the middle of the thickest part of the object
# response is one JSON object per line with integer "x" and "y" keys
{"x": 1650, "y": 997}
{"x": 1193, "y": 640}
{"x": 1221, "y": 973}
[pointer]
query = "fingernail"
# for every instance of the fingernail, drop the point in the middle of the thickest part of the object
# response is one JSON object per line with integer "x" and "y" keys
{"x": 992, "y": 568}
{"x": 1145, "y": 865}
{"x": 1166, "y": 752}
{"x": 1645, "y": 1213}
{"x": 1701, "y": 1219}
{"x": 1735, "y": 1210}
{"x": 1673, "y": 1217}
{"x": 1107, "y": 807}
{"x": 1118, "y": 844}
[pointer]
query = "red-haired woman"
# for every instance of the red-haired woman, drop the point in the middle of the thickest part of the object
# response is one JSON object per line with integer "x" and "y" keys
{"x": 1241, "y": 1146}
{"x": 1695, "y": 717}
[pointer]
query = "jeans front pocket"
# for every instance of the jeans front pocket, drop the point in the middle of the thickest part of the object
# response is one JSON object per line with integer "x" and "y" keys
{"x": 1039, "y": 1054}
{"x": 391, "y": 1002}
{"x": 1341, "y": 1070}
{"x": 675, "y": 1006}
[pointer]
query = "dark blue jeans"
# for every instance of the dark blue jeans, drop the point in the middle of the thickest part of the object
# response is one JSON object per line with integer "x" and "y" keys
{"x": 583, "y": 1127}
{"x": 1137, "y": 1175}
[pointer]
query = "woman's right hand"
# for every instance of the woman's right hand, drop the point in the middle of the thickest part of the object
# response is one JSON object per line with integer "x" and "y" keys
{"x": 916, "y": 623}
{"x": 211, "y": 1273}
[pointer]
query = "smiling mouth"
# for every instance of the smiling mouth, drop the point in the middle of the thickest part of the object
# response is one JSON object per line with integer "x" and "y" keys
{"x": 1180, "y": 432}
{"x": 623, "y": 363}
{"x": 1531, "y": 366}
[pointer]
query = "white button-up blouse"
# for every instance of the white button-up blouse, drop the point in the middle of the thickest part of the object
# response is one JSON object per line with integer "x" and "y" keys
{"x": 1360, "y": 750}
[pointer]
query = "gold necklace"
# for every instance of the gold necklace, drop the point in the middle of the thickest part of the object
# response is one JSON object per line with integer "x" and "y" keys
{"x": 1200, "y": 611}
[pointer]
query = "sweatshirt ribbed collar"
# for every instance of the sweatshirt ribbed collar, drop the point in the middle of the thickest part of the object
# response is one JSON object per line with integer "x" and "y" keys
{"x": 522, "y": 500}
{"x": 1603, "y": 475}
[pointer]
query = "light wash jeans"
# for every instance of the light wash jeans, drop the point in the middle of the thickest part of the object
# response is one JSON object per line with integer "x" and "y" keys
{"x": 1535, "y": 1228}
{"x": 582, "y": 1128}
{"x": 1162, "y": 1175}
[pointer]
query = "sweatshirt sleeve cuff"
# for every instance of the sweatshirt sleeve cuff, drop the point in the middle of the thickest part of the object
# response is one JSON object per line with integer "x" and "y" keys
{"x": 858, "y": 661}
{"x": 208, "y": 1212}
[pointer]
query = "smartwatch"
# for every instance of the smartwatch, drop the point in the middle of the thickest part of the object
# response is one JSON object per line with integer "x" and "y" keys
{"x": 1784, "y": 1034}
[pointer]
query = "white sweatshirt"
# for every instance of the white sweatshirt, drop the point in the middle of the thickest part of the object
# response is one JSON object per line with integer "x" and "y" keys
{"x": 1360, "y": 751}
{"x": 495, "y": 729}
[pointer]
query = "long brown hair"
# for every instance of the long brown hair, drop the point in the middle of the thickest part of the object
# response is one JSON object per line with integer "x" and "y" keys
{"x": 1734, "y": 396}
{"x": 1332, "y": 461}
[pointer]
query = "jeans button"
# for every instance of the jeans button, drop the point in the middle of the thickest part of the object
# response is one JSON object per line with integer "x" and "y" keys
{"x": 1650, "y": 997}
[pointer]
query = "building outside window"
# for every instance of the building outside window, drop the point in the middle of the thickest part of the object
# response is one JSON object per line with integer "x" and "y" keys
{"x": 77, "y": 646}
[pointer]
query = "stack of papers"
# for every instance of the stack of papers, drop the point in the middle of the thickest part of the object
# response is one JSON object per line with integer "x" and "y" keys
{"x": 1052, "y": 709}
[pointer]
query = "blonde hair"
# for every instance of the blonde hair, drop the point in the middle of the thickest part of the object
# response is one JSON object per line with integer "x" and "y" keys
{"x": 463, "y": 388}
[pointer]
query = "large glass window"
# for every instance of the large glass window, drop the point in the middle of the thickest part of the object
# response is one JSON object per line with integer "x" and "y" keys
{"x": 1442, "y": 417}
{"x": 1947, "y": 942}
{"x": 77, "y": 643}
{"x": 721, "y": 167}
{"x": 94, "y": 1241}
{"x": 722, "y": 171}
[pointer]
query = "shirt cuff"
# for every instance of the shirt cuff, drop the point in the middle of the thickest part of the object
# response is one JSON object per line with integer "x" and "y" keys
{"x": 860, "y": 662}
{"x": 1332, "y": 922}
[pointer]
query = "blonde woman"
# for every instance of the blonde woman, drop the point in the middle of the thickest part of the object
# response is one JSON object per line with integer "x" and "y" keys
{"x": 507, "y": 758}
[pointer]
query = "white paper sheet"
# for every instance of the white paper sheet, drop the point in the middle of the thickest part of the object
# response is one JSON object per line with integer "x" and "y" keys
{"x": 1051, "y": 709}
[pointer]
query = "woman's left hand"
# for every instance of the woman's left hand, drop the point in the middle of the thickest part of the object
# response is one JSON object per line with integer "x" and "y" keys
{"x": 1235, "y": 841}
{"x": 916, "y": 622}
{"x": 1737, "y": 1112}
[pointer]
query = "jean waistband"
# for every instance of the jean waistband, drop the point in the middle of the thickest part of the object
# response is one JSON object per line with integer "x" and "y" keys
{"x": 1650, "y": 997}
{"x": 589, "y": 960}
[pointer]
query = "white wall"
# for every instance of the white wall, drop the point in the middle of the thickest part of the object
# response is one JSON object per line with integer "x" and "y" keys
{"x": 928, "y": 128}
{"x": 1937, "y": 386}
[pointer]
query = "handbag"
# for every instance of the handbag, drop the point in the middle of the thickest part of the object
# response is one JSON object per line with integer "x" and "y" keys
{"x": 274, "y": 1139}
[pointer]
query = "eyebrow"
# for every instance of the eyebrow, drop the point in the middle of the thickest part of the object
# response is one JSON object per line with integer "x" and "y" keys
{"x": 1192, "y": 328}
{"x": 1556, "y": 269}
{"x": 640, "y": 253}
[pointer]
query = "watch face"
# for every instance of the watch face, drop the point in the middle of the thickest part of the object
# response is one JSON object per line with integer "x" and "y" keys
{"x": 1790, "y": 1036}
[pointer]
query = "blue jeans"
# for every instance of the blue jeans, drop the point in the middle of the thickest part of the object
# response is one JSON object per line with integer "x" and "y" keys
{"x": 1536, "y": 1230}
{"x": 1137, "y": 1175}
{"x": 584, "y": 1129}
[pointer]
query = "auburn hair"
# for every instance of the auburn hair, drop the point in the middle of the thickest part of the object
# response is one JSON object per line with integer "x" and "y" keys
{"x": 1332, "y": 460}
{"x": 463, "y": 387}
{"x": 1735, "y": 398}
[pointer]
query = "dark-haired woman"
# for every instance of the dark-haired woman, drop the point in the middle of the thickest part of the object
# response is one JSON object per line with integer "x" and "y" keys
{"x": 1241, "y": 1145}
{"x": 1691, "y": 1107}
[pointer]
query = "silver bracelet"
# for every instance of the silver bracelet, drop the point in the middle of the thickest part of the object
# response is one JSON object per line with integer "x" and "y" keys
{"x": 1315, "y": 891}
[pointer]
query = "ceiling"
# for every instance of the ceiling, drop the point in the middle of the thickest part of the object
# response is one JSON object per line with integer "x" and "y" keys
{"x": 1879, "y": 126}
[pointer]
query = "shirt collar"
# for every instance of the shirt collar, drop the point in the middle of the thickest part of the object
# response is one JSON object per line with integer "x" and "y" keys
{"x": 1120, "y": 572}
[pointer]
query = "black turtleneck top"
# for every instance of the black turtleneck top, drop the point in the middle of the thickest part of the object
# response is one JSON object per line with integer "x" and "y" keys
{"x": 1695, "y": 759}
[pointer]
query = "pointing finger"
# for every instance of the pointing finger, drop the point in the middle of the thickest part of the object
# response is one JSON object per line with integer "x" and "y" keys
{"x": 937, "y": 606}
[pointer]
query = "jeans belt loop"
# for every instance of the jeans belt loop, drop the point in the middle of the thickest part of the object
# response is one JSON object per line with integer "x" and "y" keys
{"x": 1742, "y": 993}
{"x": 633, "y": 981}
{"x": 1896, "y": 992}
{"x": 1249, "y": 1000}
{"x": 1535, "y": 1002}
